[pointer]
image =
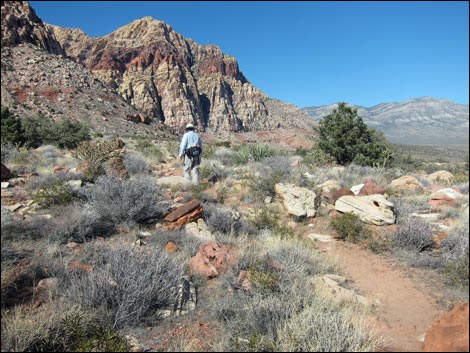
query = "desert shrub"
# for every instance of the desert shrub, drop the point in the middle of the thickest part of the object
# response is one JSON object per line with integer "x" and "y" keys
{"x": 79, "y": 223}
{"x": 98, "y": 151}
{"x": 56, "y": 193}
{"x": 456, "y": 254}
{"x": 272, "y": 319}
{"x": 349, "y": 227}
{"x": 414, "y": 235}
{"x": 404, "y": 207}
{"x": 225, "y": 221}
{"x": 135, "y": 164}
{"x": 268, "y": 218}
{"x": 67, "y": 134}
{"x": 129, "y": 288}
{"x": 317, "y": 157}
{"x": 213, "y": 169}
{"x": 150, "y": 150}
{"x": 72, "y": 331}
{"x": 12, "y": 129}
{"x": 223, "y": 155}
{"x": 253, "y": 153}
{"x": 463, "y": 188}
{"x": 13, "y": 229}
{"x": 64, "y": 134}
{"x": 126, "y": 201}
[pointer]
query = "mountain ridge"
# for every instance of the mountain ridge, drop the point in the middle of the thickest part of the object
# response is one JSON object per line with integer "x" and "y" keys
{"x": 422, "y": 121}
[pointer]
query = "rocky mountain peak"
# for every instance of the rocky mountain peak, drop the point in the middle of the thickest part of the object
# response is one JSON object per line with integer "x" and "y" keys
{"x": 20, "y": 24}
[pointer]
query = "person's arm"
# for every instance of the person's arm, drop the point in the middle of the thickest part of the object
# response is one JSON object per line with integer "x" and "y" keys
{"x": 183, "y": 144}
{"x": 200, "y": 143}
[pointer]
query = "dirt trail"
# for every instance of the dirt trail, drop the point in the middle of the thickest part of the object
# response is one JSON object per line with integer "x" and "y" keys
{"x": 406, "y": 308}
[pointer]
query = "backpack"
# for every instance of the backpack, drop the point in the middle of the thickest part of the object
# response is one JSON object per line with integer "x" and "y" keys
{"x": 193, "y": 151}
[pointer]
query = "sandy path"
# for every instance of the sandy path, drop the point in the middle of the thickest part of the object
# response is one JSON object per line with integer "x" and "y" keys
{"x": 405, "y": 312}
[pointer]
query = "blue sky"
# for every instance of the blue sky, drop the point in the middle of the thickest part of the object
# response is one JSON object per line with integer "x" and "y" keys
{"x": 311, "y": 53}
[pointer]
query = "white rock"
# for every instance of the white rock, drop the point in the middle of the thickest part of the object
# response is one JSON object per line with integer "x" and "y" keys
{"x": 323, "y": 238}
{"x": 356, "y": 189}
{"x": 372, "y": 209}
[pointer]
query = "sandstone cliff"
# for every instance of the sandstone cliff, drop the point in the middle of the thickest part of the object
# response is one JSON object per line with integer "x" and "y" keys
{"x": 175, "y": 80}
{"x": 142, "y": 72}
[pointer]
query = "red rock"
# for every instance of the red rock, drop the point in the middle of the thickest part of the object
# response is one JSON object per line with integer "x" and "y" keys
{"x": 341, "y": 192}
{"x": 371, "y": 188}
{"x": 170, "y": 247}
{"x": 439, "y": 200}
{"x": 450, "y": 332}
{"x": 58, "y": 169}
{"x": 181, "y": 211}
{"x": 212, "y": 259}
{"x": 79, "y": 266}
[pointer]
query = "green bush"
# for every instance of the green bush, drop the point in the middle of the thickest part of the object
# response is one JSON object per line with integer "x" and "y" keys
{"x": 34, "y": 132}
{"x": 12, "y": 130}
{"x": 345, "y": 136}
{"x": 56, "y": 193}
{"x": 253, "y": 153}
{"x": 349, "y": 227}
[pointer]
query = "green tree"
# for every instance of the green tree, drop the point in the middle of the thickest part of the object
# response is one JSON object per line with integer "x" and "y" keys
{"x": 12, "y": 130}
{"x": 345, "y": 136}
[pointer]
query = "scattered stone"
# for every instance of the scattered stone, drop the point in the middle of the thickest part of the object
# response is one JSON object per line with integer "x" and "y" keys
{"x": 450, "y": 332}
{"x": 331, "y": 285}
{"x": 442, "y": 176}
{"x": 244, "y": 281}
{"x": 74, "y": 184}
{"x": 212, "y": 259}
{"x": 5, "y": 184}
{"x": 329, "y": 186}
{"x": 58, "y": 170}
{"x": 371, "y": 188}
{"x": 14, "y": 207}
{"x": 170, "y": 247}
{"x": 323, "y": 238}
{"x": 79, "y": 266}
{"x": 72, "y": 245}
{"x": 372, "y": 209}
{"x": 199, "y": 229}
{"x": 432, "y": 217}
{"x": 45, "y": 290}
{"x": 406, "y": 183}
{"x": 268, "y": 200}
{"x": 356, "y": 189}
{"x": 299, "y": 202}
{"x": 183, "y": 215}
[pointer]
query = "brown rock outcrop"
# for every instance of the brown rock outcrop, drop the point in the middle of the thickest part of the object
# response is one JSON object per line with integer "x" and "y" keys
{"x": 189, "y": 212}
{"x": 371, "y": 188}
{"x": 212, "y": 259}
{"x": 450, "y": 332}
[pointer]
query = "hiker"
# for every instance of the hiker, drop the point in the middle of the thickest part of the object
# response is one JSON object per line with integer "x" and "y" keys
{"x": 190, "y": 154}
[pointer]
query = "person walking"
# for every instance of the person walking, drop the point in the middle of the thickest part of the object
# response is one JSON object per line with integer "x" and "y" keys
{"x": 190, "y": 154}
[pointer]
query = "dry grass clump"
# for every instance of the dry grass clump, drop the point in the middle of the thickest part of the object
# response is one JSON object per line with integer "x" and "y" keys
{"x": 283, "y": 312}
{"x": 127, "y": 286}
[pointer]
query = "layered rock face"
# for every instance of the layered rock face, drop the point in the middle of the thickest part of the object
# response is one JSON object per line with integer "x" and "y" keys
{"x": 20, "y": 24}
{"x": 175, "y": 80}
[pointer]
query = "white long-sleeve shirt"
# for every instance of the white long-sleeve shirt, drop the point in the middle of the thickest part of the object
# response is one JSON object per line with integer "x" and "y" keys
{"x": 190, "y": 139}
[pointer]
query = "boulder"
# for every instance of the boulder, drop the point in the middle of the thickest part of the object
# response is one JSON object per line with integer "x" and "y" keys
{"x": 299, "y": 202}
{"x": 331, "y": 197}
{"x": 199, "y": 229}
{"x": 183, "y": 215}
{"x": 212, "y": 259}
{"x": 5, "y": 173}
{"x": 450, "y": 332}
{"x": 442, "y": 176}
{"x": 356, "y": 189}
{"x": 406, "y": 183}
{"x": 331, "y": 286}
{"x": 170, "y": 247}
{"x": 444, "y": 197}
{"x": 371, "y": 188}
{"x": 329, "y": 186}
{"x": 372, "y": 209}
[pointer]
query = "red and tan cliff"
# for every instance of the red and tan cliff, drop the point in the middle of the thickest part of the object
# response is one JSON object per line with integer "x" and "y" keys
{"x": 158, "y": 73}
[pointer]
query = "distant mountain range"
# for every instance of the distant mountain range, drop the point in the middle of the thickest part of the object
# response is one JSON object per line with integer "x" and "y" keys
{"x": 420, "y": 121}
